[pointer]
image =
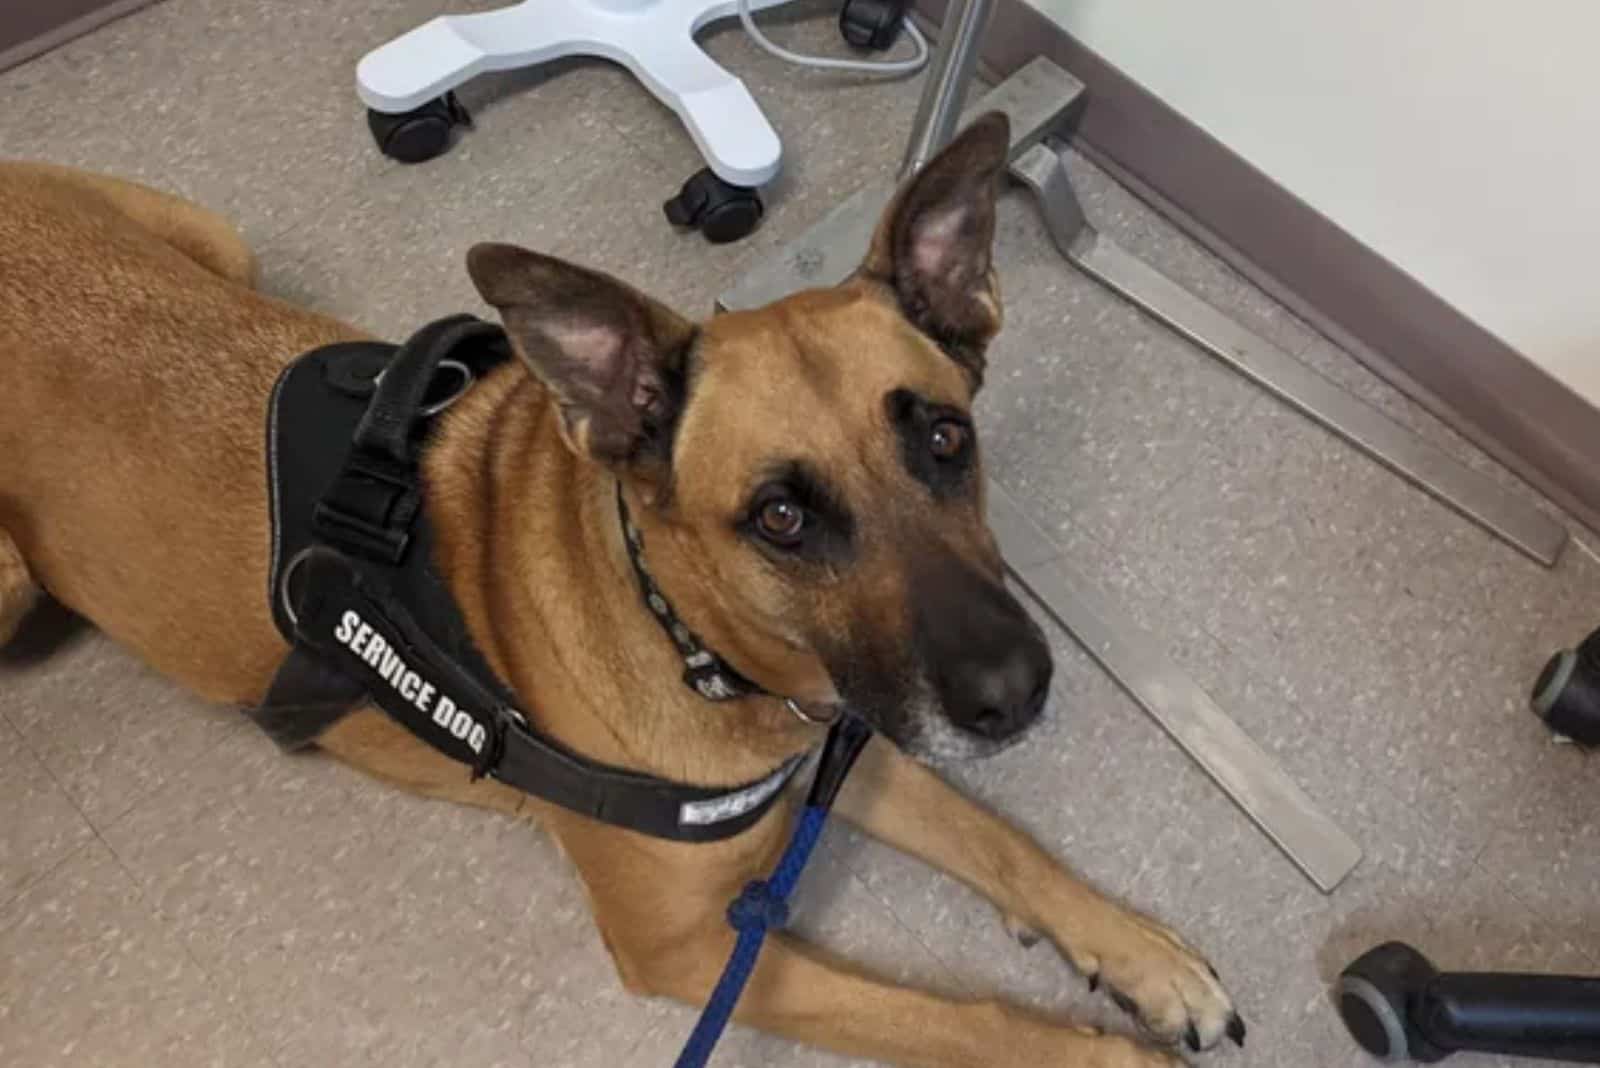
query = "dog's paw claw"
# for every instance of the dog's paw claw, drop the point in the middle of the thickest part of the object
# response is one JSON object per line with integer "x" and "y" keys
{"x": 1025, "y": 935}
{"x": 1236, "y": 1030}
{"x": 1094, "y": 982}
{"x": 1124, "y": 1002}
{"x": 1192, "y": 1037}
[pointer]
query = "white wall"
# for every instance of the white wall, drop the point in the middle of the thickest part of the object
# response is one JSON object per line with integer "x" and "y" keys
{"x": 1458, "y": 138}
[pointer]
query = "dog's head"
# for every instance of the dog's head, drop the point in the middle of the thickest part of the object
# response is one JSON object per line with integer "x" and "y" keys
{"x": 807, "y": 474}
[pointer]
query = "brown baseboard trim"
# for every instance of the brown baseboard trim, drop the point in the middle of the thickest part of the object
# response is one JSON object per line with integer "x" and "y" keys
{"x": 1494, "y": 396}
{"x": 60, "y": 35}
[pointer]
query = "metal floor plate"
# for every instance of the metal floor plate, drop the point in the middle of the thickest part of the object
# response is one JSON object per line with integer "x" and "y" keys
{"x": 1243, "y": 770}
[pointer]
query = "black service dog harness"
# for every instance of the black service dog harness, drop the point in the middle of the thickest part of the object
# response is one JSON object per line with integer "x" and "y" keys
{"x": 355, "y": 590}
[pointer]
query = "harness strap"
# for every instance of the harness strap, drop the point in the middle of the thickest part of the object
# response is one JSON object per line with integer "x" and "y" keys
{"x": 764, "y": 903}
{"x": 376, "y": 497}
{"x": 348, "y": 621}
{"x": 306, "y": 697}
{"x": 388, "y": 429}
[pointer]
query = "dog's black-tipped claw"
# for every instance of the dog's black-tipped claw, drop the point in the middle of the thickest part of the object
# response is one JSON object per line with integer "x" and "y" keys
{"x": 1124, "y": 1002}
{"x": 1212, "y": 969}
{"x": 1192, "y": 1037}
{"x": 1236, "y": 1030}
{"x": 1094, "y": 982}
{"x": 1027, "y": 939}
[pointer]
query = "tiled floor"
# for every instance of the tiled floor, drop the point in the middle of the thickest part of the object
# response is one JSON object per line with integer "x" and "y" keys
{"x": 173, "y": 892}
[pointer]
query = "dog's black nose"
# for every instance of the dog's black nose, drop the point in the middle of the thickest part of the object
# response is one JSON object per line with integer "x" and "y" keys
{"x": 987, "y": 659}
{"x": 999, "y": 700}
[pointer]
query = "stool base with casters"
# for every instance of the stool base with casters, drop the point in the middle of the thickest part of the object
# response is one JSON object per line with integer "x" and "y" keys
{"x": 406, "y": 84}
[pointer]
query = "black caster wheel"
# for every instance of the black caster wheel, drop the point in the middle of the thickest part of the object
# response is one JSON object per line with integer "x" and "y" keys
{"x": 722, "y": 211}
{"x": 421, "y": 133}
{"x": 871, "y": 25}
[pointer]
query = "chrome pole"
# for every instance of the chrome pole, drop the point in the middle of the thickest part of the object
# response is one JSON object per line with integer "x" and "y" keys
{"x": 949, "y": 75}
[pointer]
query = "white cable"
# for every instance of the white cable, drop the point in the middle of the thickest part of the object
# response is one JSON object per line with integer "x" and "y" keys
{"x": 865, "y": 66}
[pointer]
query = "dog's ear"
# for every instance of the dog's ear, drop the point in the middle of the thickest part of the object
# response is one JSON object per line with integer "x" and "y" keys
{"x": 934, "y": 243}
{"x": 612, "y": 357}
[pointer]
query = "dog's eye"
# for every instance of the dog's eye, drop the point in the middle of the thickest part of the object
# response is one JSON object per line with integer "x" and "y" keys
{"x": 781, "y": 521}
{"x": 948, "y": 439}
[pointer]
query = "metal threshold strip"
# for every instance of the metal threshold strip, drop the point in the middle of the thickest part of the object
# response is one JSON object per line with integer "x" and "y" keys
{"x": 1233, "y": 760}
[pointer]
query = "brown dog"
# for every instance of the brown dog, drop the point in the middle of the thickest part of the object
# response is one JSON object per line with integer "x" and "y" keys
{"x": 808, "y": 487}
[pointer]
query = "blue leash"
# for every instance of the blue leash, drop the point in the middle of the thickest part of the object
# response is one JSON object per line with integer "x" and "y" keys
{"x": 764, "y": 903}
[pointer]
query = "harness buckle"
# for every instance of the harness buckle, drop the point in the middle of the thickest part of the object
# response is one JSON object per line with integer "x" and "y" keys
{"x": 369, "y": 510}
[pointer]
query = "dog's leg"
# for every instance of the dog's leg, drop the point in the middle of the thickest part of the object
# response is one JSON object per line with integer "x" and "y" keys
{"x": 18, "y": 592}
{"x": 1147, "y": 968}
{"x": 799, "y": 992}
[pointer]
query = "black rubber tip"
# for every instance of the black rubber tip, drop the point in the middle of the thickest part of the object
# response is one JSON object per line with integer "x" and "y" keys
{"x": 1365, "y": 1027}
{"x": 1552, "y": 680}
{"x": 1373, "y": 995}
{"x": 1567, "y": 693}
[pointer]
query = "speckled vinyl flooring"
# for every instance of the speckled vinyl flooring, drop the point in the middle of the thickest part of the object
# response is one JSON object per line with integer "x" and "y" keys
{"x": 173, "y": 892}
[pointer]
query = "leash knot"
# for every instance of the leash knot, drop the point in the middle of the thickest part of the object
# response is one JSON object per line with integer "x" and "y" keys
{"x": 758, "y": 908}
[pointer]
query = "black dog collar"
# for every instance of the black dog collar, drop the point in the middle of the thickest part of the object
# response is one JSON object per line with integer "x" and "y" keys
{"x": 369, "y": 618}
{"x": 703, "y": 670}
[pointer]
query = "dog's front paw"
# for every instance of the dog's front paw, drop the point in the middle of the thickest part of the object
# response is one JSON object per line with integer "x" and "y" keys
{"x": 1153, "y": 975}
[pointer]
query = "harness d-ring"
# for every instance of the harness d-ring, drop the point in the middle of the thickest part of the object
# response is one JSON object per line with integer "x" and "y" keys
{"x": 283, "y": 586}
{"x": 467, "y": 380}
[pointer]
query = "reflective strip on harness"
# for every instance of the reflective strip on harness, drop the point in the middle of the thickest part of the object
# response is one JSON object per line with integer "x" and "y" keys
{"x": 736, "y": 804}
